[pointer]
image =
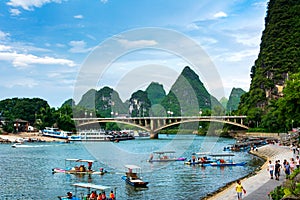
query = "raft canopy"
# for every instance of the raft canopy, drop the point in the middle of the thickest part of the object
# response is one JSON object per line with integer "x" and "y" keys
{"x": 163, "y": 152}
{"x": 132, "y": 167}
{"x": 90, "y": 185}
{"x": 203, "y": 153}
{"x": 79, "y": 160}
{"x": 221, "y": 155}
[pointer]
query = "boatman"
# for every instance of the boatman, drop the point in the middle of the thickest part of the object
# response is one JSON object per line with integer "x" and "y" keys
{"x": 90, "y": 164}
{"x": 70, "y": 195}
{"x": 193, "y": 158}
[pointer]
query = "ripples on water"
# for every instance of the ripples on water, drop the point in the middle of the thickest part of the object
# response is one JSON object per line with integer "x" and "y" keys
{"x": 26, "y": 172}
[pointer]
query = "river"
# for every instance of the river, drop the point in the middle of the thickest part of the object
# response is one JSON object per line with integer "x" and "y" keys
{"x": 26, "y": 173}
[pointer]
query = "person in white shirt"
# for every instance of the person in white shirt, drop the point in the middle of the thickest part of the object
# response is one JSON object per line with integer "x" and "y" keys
{"x": 297, "y": 162}
{"x": 271, "y": 168}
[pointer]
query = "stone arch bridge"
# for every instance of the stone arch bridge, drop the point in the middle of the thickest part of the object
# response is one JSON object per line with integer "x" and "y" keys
{"x": 155, "y": 124}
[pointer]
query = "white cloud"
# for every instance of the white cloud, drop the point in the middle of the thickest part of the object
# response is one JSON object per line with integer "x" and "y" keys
{"x": 30, "y": 4}
{"x": 4, "y": 48}
{"x": 220, "y": 14}
{"x": 24, "y": 60}
{"x": 15, "y": 12}
{"x": 60, "y": 45}
{"x": 79, "y": 47}
{"x": 238, "y": 56}
{"x": 3, "y": 35}
{"x": 21, "y": 82}
{"x": 78, "y": 16}
{"x": 262, "y": 4}
{"x": 207, "y": 40}
{"x": 247, "y": 39}
{"x": 137, "y": 43}
{"x": 192, "y": 26}
{"x": 104, "y": 1}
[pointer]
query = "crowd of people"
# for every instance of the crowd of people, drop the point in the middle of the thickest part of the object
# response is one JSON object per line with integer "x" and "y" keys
{"x": 94, "y": 196}
{"x": 100, "y": 196}
{"x": 287, "y": 166}
{"x": 275, "y": 169}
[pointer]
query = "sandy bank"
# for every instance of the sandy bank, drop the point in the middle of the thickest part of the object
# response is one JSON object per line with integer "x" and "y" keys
{"x": 253, "y": 183}
{"x": 33, "y": 135}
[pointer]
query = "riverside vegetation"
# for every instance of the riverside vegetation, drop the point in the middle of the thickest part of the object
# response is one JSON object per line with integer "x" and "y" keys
{"x": 290, "y": 190}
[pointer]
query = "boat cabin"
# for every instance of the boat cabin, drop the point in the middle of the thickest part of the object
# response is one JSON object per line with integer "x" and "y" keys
{"x": 222, "y": 157}
{"x": 164, "y": 156}
{"x": 133, "y": 171}
{"x": 81, "y": 165}
{"x": 132, "y": 176}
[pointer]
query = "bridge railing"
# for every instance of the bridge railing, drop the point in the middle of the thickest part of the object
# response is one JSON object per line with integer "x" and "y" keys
{"x": 179, "y": 117}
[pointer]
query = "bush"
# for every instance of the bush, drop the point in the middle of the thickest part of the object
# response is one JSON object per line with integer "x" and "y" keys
{"x": 277, "y": 193}
{"x": 289, "y": 189}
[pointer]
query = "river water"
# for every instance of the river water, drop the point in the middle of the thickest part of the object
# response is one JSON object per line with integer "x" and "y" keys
{"x": 26, "y": 173}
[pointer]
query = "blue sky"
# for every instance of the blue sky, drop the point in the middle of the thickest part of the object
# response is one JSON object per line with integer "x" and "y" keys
{"x": 44, "y": 44}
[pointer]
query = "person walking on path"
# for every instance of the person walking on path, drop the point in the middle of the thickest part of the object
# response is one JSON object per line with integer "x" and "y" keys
{"x": 277, "y": 170}
{"x": 297, "y": 162}
{"x": 239, "y": 190}
{"x": 271, "y": 168}
{"x": 287, "y": 169}
{"x": 292, "y": 164}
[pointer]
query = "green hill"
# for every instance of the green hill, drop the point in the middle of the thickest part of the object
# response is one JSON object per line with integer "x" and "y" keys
{"x": 223, "y": 101}
{"x": 188, "y": 96}
{"x": 105, "y": 101}
{"x": 234, "y": 99}
{"x": 156, "y": 93}
{"x": 277, "y": 62}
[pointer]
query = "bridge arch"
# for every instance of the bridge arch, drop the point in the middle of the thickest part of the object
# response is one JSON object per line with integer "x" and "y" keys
{"x": 155, "y": 124}
{"x": 113, "y": 121}
{"x": 202, "y": 120}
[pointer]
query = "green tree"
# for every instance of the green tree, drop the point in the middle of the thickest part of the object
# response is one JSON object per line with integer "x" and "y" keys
{"x": 64, "y": 121}
{"x": 289, "y": 105}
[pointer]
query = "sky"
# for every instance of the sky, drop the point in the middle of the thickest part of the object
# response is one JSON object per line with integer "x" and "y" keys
{"x": 58, "y": 49}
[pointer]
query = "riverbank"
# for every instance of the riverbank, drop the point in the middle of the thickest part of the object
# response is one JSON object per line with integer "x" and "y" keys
{"x": 258, "y": 185}
{"x": 32, "y": 136}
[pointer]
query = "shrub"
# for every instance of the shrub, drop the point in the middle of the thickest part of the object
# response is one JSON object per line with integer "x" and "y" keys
{"x": 277, "y": 193}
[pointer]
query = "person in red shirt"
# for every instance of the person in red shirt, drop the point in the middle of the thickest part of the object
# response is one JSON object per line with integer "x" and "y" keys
{"x": 93, "y": 195}
{"x": 103, "y": 196}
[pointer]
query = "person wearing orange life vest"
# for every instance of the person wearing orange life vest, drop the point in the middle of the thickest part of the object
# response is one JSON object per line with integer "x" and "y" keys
{"x": 93, "y": 195}
{"x": 112, "y": 196}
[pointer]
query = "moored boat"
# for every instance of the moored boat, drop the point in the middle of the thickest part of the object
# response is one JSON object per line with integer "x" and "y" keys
{"x": 91, "y": 135}
{"x": 55, "y": 133}
{"x": 121, "y": 135}
{"x": 202, "y": 159}
{"x": 133, "y": 176}
{"x": 143, "y": 134}
{"x": 221, "y": 162}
